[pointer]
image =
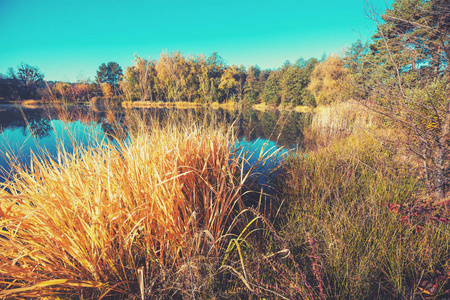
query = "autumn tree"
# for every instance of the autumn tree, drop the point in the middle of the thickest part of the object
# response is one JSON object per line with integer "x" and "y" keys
{"x": 107, "y": 90}
{"x": 145, "y": 71}
{"x": 232, "y": 81}
{"x": 81, "y": 91}
{"x": 329, "y": 80}
{"x": 203, "y": 79}
{"x": 169, "y": 73}
{"x": 62, "y": 90}
{"x": 139, "y": 80}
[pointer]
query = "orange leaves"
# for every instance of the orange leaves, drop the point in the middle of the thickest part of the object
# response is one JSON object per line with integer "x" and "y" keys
{"x": 422, "y": 212}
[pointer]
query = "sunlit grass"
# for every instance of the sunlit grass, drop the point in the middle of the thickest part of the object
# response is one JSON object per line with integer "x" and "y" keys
{"x": 85, "y": 222}
{"x": 174, "y": 209}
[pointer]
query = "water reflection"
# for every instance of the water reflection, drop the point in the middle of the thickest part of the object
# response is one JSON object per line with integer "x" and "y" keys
{"x": 24, "y": 129}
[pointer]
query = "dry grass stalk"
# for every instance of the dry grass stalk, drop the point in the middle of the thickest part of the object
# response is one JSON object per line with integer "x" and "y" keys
{"x": 90, "y": 219}
{"x": 340, "y": 119}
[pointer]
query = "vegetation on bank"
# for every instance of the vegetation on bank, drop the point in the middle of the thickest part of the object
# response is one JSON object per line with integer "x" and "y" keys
{"x": 171, "y": 213}
{"x": 144, "y": 216}
{"x": 344, "y": 198}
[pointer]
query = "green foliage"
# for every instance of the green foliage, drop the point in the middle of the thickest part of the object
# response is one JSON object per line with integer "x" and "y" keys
{"x": 228, "y": 80}
{"x": 109, "y": 73}
{"x": 271, "y": 91}
{"x": 398, "y": 76}
{"x": 251, "y": 88}
{"x": 294, "y": 81}
{"x": 411, "y": 42}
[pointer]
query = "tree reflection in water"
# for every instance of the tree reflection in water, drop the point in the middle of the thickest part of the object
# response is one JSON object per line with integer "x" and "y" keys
{"x": 285, "y": 128}
{"x": 40, "y": 128}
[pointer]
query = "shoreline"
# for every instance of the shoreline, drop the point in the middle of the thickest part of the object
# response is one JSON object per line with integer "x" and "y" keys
{"x": 214, "y": 105}
{"x": 177, "y": 104}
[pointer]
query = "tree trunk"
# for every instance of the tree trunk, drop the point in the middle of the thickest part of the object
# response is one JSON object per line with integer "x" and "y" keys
{"x": 441, "y": 154}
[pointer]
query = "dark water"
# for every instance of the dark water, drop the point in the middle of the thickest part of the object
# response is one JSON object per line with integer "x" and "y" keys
{"x": 24, "y": 130}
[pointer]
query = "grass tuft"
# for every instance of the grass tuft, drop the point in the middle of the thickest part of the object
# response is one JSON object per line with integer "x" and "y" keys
{"x": 120, "y": 218}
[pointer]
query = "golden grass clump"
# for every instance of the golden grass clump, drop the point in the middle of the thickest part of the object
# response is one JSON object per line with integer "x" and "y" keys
{"x": 93, "y": 219}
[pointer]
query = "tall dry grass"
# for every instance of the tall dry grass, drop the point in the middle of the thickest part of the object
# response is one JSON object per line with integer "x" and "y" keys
{"x": 120, "y": 218}
{"x": 340, "y": 119}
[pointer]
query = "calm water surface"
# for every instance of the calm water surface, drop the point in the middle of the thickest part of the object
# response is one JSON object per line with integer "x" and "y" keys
{"x": 25, "y": 130}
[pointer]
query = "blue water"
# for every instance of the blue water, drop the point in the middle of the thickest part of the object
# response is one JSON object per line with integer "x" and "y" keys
{"x": 264, "y": 157}
{"x": 20, "y": 142}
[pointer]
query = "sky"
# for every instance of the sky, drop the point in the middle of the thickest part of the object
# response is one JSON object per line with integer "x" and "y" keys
{"x": 69, "y": 40}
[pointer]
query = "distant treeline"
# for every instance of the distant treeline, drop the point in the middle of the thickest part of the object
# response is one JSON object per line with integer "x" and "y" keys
{"x": 178, "y": 77}
{"x": 410, "y": 47}
{"x": 285, "y": 127}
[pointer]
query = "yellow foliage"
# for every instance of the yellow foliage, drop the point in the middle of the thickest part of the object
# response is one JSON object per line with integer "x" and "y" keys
{"x": 328, "y": 80}
{"x": 94, "y": 217}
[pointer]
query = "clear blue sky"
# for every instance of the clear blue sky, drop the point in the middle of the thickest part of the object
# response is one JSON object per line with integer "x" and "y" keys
{"x": 68, "y": 40}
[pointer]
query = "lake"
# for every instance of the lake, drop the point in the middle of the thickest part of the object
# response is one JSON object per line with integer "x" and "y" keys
{"x": 43, "y": 128}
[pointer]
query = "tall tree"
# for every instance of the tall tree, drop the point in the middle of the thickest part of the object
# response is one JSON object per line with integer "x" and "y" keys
{"x": 294, "y": 80}
{"x": 28, "y": 79}
{"x": 409, "y": 79}
{"x": 329, "y": 80}
{"x": 203, "y": 79}
{"x": 216, "y": 67}
{"x": 110, "y": 73}
{"x": 251, "y": 87}
{"x": 271, "y": 91}
{"x": 139, "y": 79}
{"x": 170, "y": 68}
{"x": 231, "y": 80}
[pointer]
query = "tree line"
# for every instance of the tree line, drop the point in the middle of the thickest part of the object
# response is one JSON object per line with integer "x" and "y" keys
{"x": 178, "y": 77}
{"x": 411, "y": 42}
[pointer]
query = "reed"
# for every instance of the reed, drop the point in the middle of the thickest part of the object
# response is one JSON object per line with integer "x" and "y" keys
{"x": 340, "y": 119}
{"x": 121, "y": 217}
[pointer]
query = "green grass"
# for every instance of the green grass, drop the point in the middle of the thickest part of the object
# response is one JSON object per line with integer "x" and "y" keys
{"x": 339, "y": 196}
